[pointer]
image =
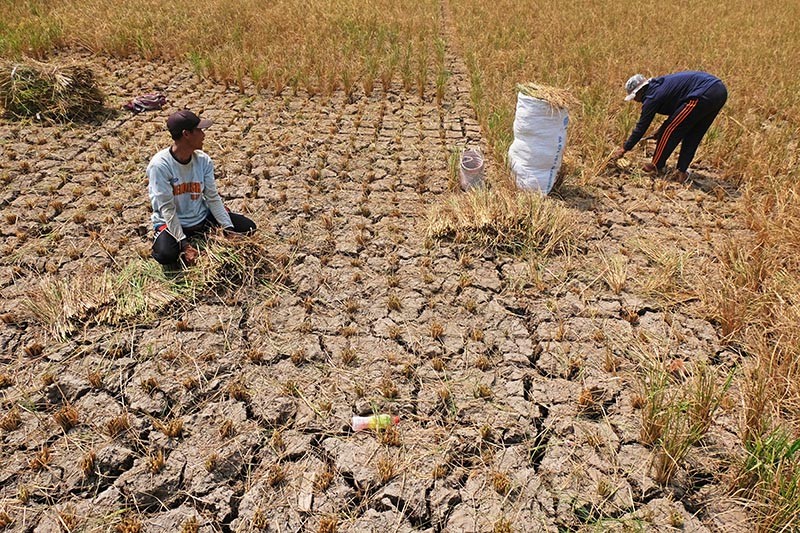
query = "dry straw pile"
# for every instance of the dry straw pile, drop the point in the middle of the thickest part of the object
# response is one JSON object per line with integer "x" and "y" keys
{"x": 505, "y": 219}
{"x": 49, "y": 92}
{"x": 557, "y": 97}
{"x": 65, "y": 306}
{"x": 141, "y": 290}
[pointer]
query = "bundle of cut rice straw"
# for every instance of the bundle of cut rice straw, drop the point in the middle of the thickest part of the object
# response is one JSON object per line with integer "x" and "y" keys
{"x": 556, "y": 97}
{"x": 49, "y": 92}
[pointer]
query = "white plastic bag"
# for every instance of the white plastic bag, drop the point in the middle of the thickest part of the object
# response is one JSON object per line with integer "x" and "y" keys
{"x": 470, "y": 173}
{"x": 540, "y": 135}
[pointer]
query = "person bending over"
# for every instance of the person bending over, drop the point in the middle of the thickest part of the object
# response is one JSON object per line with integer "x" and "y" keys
{"x": 183, "y": 193}
{"x": 691, "y": 100}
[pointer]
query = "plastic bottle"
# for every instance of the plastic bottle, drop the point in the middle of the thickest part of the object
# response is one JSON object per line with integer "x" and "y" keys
{"x": 361, "y": 423}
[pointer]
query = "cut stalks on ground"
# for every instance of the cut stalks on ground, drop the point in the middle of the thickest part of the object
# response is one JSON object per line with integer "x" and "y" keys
{"x": 141, "y": 289}
{"x": 507, "y": 220}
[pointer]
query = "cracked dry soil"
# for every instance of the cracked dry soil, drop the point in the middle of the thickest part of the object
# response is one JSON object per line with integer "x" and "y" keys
{"x": 230, "y": 412}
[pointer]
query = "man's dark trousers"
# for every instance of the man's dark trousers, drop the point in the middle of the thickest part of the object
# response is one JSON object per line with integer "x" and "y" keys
{"x": 687, "y": 126}
{"x": 167, "y": 250}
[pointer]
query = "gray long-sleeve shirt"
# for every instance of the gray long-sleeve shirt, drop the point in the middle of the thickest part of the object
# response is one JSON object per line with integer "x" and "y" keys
{"x": 183, "y": 194}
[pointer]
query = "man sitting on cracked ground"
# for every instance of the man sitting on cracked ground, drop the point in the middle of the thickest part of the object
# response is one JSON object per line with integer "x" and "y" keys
{"x": 183, "y": 193}
{"x": 691, "y": 100}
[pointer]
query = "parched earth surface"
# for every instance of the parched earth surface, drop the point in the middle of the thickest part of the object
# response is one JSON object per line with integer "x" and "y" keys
{"x": 515, "y": 379}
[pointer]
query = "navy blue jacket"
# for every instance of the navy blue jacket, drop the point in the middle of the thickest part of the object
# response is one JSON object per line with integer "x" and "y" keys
{"x": 665, "y": 95}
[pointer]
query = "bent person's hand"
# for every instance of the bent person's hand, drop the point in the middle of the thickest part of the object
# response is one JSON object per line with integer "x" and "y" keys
{"x": 190, "y": 255}
{"x": 619, "y": 152}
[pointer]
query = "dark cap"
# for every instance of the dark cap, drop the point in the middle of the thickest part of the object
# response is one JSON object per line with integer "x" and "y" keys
{"x": 185, "y": 120}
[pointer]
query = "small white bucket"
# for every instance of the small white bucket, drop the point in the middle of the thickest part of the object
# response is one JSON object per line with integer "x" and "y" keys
{"x": 471, "y": 169}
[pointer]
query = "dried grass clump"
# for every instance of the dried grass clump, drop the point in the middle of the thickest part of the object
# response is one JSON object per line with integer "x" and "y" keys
{"x": 11, "y": 420}
{"x": 129, "y": 524}
{"x": 328, "y": 524}
{"x": 324, "y": 479}
{"x": 226, "y": 430}
{"x": 172, "y": 429}
{"x": 140, "y": 289}
{"x": 555, "y": 96}
{"x": 118, "y": 425}
{"x": 64, "y": 305}
{"x": 191, "y": 525}
{"x": 505, "y": 219}
{"x": 386, "y": 469}
{"x": 277, "y": 475}
{"x": 503, "y": 525}
{"x": 501, "y": 482}
{"x": 49, "y": 92}
{"x": 67, "y": 417}
{"x": 87, "y": 464}
{"x": 232, "y": 263}
{"x": 5, "y": 519}
{"x": 40, "y": 461}
{"x": 156, "y": 462}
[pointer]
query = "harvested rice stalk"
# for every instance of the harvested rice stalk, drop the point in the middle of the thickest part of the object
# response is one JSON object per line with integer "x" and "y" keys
{"x": 66, "y": 305}
{"x": 140, "y": 291}
{"x": 49, "y": 92}
{"x": 233, "y": 263}
{"x": 507, "y": 220}
{"x": 558, "y": 98}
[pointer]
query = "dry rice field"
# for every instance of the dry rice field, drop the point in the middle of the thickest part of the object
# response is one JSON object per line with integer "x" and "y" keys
{"x": 617, "y": 356}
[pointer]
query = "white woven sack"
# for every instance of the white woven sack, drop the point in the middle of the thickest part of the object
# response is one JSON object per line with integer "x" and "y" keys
{"x": 540, "y": 135}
